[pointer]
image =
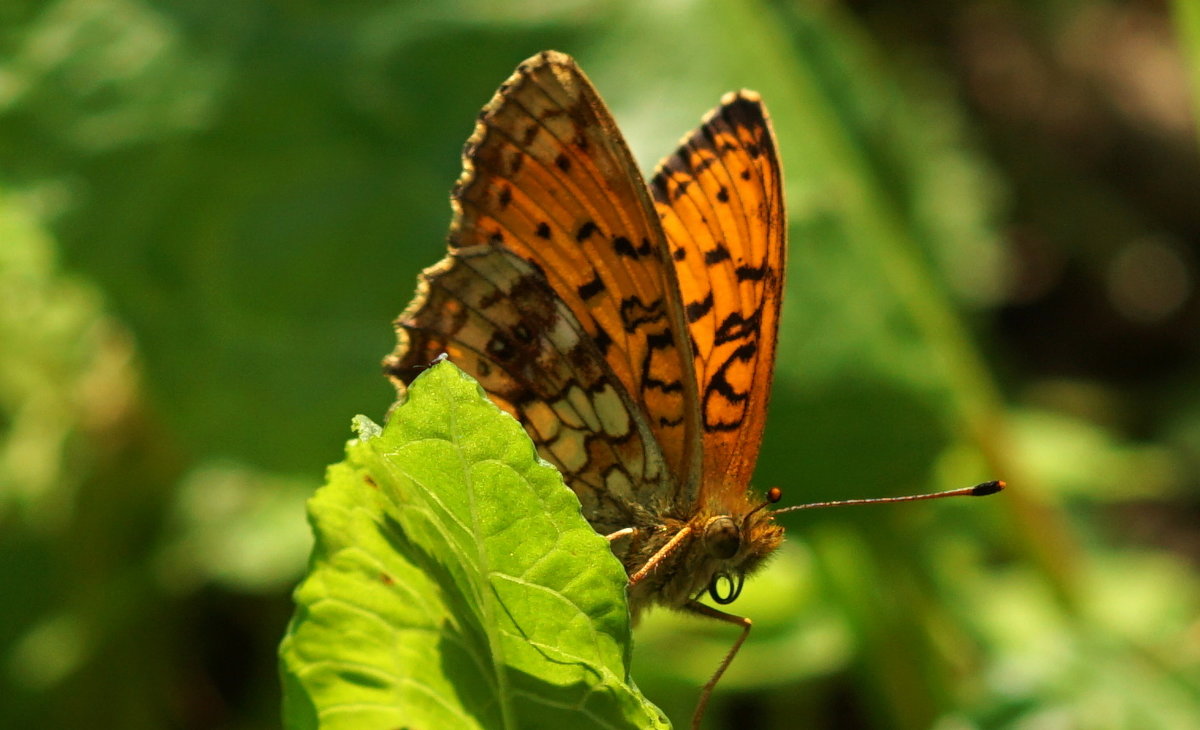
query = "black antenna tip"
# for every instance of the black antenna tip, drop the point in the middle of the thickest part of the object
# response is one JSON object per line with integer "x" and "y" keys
{"x": 983, "y": 490}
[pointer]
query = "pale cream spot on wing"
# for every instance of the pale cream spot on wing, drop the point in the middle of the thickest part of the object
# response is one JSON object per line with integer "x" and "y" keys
{"x": 562, "y": 335}
{"x": 614, "y": 417}
{"x": 579, "y": 399}
{"x": 618, "y": 485}
{"x": 570, "y": 449}
{"x": 543, "y": 420}
{"x": 567, "y": 412}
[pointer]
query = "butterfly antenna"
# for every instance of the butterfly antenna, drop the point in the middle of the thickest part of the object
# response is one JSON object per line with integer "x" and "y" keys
{"x": 979, "y": 490}
{"x": 774, "y": 494}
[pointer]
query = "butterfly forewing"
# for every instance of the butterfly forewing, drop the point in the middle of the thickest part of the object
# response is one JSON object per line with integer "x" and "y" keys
{"x": 549, "y": 177}
{"x": 720, "y": 201}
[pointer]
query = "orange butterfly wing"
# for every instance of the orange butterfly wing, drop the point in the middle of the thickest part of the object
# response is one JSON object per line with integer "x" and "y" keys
{"x": 720, "y": 200}
{"x": 549, "y": 189}
{"x": 554, "y": 182}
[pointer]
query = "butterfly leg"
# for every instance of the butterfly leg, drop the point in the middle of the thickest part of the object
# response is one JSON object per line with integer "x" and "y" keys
{"x": 614, "y": 536}
{"x": 660, "y": 556}
{"x": 706, "y": 692}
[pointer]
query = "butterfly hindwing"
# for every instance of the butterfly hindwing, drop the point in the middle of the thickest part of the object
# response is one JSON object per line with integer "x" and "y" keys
{"x": 496, "y": 318}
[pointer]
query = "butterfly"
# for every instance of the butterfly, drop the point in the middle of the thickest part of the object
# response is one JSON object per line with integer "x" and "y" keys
{"x": 630, "y": 328}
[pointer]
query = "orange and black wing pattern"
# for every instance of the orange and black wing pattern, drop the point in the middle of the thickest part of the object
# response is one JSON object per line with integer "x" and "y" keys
{"x": 720, "y": 201}
{"x": 559, "y": 296}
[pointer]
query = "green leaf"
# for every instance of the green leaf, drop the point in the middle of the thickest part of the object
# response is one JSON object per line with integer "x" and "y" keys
{"x": 454, "y": 583}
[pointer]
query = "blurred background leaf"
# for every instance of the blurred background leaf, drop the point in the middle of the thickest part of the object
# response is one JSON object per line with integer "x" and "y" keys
{"x": 209, "y": 214}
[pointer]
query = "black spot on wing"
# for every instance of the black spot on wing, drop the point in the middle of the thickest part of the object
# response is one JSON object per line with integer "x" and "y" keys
{"x": 624, "y": 247}
{"x": 696, "y": 310}
{"x": 751, "y": 273}
{"x": 530, "y": 134}
{"x": 591, "y": 288}
{"x": 585, "y": 231}
{"x": 716, "y": 255}
{"x": 659, "y": 341}
{"x": 603, "y": 340}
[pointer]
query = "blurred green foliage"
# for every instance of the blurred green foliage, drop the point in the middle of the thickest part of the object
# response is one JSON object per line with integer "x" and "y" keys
{"x": 209, "y": 214}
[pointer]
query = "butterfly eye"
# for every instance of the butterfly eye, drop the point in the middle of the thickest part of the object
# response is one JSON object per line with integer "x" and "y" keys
{"x": 722, "y": 538}
{"x": 724, "y": 589}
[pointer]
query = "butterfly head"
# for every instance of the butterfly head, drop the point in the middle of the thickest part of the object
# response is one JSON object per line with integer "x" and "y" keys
{"x": 739, "y": 545}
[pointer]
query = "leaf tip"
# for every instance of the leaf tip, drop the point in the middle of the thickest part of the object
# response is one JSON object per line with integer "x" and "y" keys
{"x": 364, "y": 428}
